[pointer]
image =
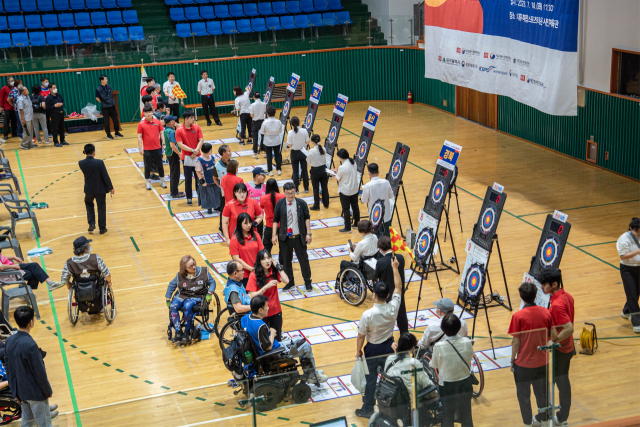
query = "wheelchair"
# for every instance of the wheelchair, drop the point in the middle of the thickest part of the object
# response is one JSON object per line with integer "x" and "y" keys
{"x": 91, "y": 297}
{"x": 353, "y": 282}
{"x": 10, "y": 408}
{"x": 227, "y": 332}
{"x": 200, "y": 315}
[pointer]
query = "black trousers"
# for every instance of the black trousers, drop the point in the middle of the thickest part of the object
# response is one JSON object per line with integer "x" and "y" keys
{"x": 372, "y": 354}
{"x": 271, "y": 152}
{"x": 174, "y": 173}
{"x": 220, "y": 209}
{"x": 299, "y": 161}
{"x": 526, "y": 378}
{"x": 245, "y": 125}
{"x": 456, "y": 396}
{"x": 266, "y": 239}
{"x": 275, "y": 322}
{"x": 110, "y": 112}
{"x": 255, "y": 134}
{"x": 562, "y": 363}
{"x": 631, "y": 282}
{"x": 189, "y": 174}
{"x": 209, "y": 103}
{"x": 346, "y": 202}
{"x": 10, "y": 123}
{"x": 57, "y": 126}
{"x": 287, "y": 246}
{"x": 175, "y": 110}
{"x": 33, "y": 274}
{"x": 319, "y": 178}
{"x": 101, "y": 200}
{"x": 151, "y": 158}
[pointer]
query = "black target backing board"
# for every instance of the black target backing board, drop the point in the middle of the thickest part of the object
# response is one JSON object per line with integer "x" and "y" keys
{"x": 398, "y": 163}
{"x": 366, "y": 137}
{"x": 334, "y": 128}
{"x": 312, "y": 109}
{"x": 489, "y": 217}
{"x": 552, "y": 242}
{"x": 252, "y": 82}
{"x": 288, "y": 98}
{"x": 269, "y": 91}
{"x": 434, "y": 202}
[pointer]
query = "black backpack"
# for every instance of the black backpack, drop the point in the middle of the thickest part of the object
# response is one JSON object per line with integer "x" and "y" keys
{"x": 36, "y": 102}
{"x": 392, "y": 396}
{"x": 239, "y": 353}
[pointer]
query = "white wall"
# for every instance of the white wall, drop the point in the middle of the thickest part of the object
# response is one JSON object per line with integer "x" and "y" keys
{"x": 398, "y": 10}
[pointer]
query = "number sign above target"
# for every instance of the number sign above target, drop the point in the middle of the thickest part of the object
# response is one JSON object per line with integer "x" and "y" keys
{"x": 293, "y": 82}
{"x": 316, "y": 91}
{"x": 449, "y": 155}
{"x": 371, "y": 119}
{"x": 341, "y": 105}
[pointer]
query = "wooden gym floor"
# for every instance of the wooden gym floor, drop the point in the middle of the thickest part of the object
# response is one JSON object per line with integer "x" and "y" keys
{"x": 127, "y": 373}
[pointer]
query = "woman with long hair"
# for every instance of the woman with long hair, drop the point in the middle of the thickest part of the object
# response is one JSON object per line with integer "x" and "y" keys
{"x": 245, "y": 245}
{"x": 317, "y": 161}
{"x": 268, "y": 203}
{"x": 348, "y": 188}
{"x": 242, "y": 106}
{"x": 264, "y": 280}
{"x": 240, "y": 203}
{"x": 297, "y": 140}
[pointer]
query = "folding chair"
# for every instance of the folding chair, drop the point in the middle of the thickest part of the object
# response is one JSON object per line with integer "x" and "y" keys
{"x": 5, "y": 169}
{"x": 16, "y": 208}
{"x": 8, "y": 241}
{"x": 8, "y": 278}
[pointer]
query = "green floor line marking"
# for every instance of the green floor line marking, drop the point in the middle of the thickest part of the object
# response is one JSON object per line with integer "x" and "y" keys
{"x": 133, "y": 376}
{"x": 240, "y": 409}
{"x": 596, "y": 244}
{"x": 221, "y": 404}
{"x": 43, "y": 322}
{"x": 120, "y": 370}
{"x": 107, "y": 365}
{"x": 317, "y": 314}
{"x": 582, "y": 207}
{"x": 148, "y": 382}
{"x": 54, "y": 313}
{"x": 49, "y": 328}
{"x": 165, "y": 387}
{"x": 304, "y": 422}
{"x": 94, "y": 358}
{"x": 169, "y": 207}
{"x": 134, "y": 244}
{"x": 182, "y": 393}
{"x": 201, "y": 398}
{"x": 83, "y": 352}
{"x": 72, "y": 346}
{"x": 283, "y": 418}
{"x": 260, "y": 413}
{"x": 64, "y": 340}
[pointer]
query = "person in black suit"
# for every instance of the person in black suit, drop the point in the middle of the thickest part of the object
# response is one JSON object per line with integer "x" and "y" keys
{"x": 96, "y": 186}
{"x": 384, "y": 272}
{"x": 292, "y": 226}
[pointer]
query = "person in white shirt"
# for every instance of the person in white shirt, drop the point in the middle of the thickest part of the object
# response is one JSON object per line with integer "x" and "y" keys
{"x": 628, "y": 247}
{"x": 297, "y": 140}
{"x": 317, "y": 161}
{"x": 452, "y": 359}
{"x": 376, "y": 326}
{"x": 172, "y": 102}
{"x": 378, "y": 189}
{"x": 257, "y": 112}
{"x": 348, "y": 188}
{"x": 205, "y": 89}
{"x": 270, "y": 132}
{"x": 433, "y": 334}
{"x": 243, "y": 106}
{"x": 366, "y": 248}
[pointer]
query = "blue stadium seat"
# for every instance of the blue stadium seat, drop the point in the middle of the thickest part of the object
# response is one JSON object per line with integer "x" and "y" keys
{"x": 236, "y": 11}
{"x": 26, "y": 5}
{"x": 120, "y": 34}
{"x": 307, "y": 6}
{"x": 136, "y": 33}
{"x": 54, "y": 38}
{"x": 183, "y": 30}
{"x": 124, "y": 4}
{"x": 216, "y": 1}
{"x": 244, "y": 25}
{"x": 293, "y": 6}
{"x": 172, "y": 2}
{"x": 93, "y": 4}
{"x": 16, "y": 22}
{"x": 12, "y": 6}
{"x": 192, "y": 13}
{"x": 229, "y": 27}
{"x": 273, "y": 23}
{"x": 343, "y": 17}
{"x": 98, "y": 19}
{"x": 177, "y": 14}
{"x": 50, "y": 21}
{"x": 5, "y": 40}
{"x": 315, "y": 20}
{"x": 279, "y": 8}
{"x": 82, "y": 19}
{"x": 202, "y": 1}
{"x": 287, "y": 22}
{"x": 302, "y": 21}
{"x": 77, "y": 4}
{"x": 258, "y": 25}
{"x": 45, "y": 5}
{"x": 71, "y": 36}
{"x": 334, "y": 4}
{"x": 186, "y": 2}
{"x": 1, "y": 8}
{"x": 251, "y": 9}
{"x": 61, "y": 5}
{"x": 264, "y": 8}
{"x": 109, "y": 4}
{"x": 66, "y": 20}
{"x": 321, "y": 5}
{"x": 213, "y": 28}
{"x": 329, "y": 18}
{"x": 222, "y": 11}
{"x": 199, "y": 28}
{"x": 130, "y": 16}
{"x": 88, "y": 35}
{"x": 3, "y": 23}
{"x": 103, "y": 35}
{"x": 20, "y": 39}
{"x": 114, "y": 17}
{"x": 36, "y": 38}
{"x": 32, "y": 22}
{"x": 206, "y": 12}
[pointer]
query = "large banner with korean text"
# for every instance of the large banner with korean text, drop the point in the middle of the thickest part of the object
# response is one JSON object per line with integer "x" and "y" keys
{"x": 526, "y": 50}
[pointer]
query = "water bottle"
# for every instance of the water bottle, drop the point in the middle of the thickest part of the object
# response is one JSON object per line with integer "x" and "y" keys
{"x": 33, "y": 233}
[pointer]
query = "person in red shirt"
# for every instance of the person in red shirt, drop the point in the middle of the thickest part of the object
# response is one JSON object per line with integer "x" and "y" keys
{"x": 245, "y": 244}
{"x": 150, "y": 82}
{"x": 150, "y": 136}
{"x": 230, "y": 180}
{"x": 562, "y": 313}
{"x": 238, "y": 205}
{"x": 530, "y": 328}
{"x": 190, "y": 139}
{"x": 264, "y": 280}
{"x": 267, "y": 203}
{"x": 10, "y": 119}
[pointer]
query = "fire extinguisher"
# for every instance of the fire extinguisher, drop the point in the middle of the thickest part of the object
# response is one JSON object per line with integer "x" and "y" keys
{"x": 410, "y": 98}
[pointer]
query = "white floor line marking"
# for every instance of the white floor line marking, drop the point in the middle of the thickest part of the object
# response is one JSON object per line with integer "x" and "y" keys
{"x": 114, "y": 290}
{"x": 67, "y": 164}
{"x": 68, "y": 172}
{"x": 241, "y": 415}
{"x": 62, "y": 237}
{"x": 84, "y": 216}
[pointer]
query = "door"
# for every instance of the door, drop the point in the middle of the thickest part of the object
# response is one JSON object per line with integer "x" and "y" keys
{"x": 477, "y": 106}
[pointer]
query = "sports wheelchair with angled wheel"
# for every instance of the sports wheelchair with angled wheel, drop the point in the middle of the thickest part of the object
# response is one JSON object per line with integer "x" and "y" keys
{"x": 353, "y": 281}
{"x": 201, "y": 316}
{"x": 91, "y": 296}
{"x": 227, "y": 332}
{"x": 10, "y": 408}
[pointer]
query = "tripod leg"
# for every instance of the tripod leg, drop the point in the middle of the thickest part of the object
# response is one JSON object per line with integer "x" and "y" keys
{"x": 415, "y": 321}
{"x": 458, "y": 206}
{"x": 407, "y": 206}
{"x": 475, "y": 316}
{"x": 506, "y": 287}
{"x": 446, "y": 207}
{"x": 489, "y": 326}
{"x": 410, "y": 277}
{"x": 453, "y": 246}
{"x": 446, "y": 224}
{"x": 439, "y": 287}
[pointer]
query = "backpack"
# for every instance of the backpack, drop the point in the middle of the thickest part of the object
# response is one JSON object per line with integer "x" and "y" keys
{"x": 391, "y": 393}
{"x": 239, "y": 353}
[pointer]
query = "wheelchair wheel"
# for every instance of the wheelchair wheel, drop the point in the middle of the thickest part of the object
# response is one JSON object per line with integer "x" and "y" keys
{"x": 72, "y": 307}
{"x": 301, "y": 392}
{"x": 216, "y": 323}
{"x": 272, "y": 396}
{"x": 215, "y": 310}
{"x": 10, "y": 410}
{"x": 108, "y": 304}
{"x": 352, "y": 286}
{"x": 432, "y": 373}
{"x": 228, "y": 333}
{"x": 477, "y": 389}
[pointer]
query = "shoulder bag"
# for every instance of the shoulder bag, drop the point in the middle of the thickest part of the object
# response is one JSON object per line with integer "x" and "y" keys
{"x": 474, "y": 380}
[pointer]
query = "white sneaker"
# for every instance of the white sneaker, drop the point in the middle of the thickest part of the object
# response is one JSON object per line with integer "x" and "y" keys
{"x": 270, "y": 173}
{"x": 320, "y": 371}
{"x": 536, "y": 423}
{"x": 320, "y": 377}
{"x": 3, "y": 141}
{"x": 558, "y": 423}
{"x": 163, "y": 185}
{"x": 148, "y": 186}
{"x": 255, "y": 156}
{"x": 264, "y": 155}
{"x": 636, "y": 329}
{"x": 279, "y": 172}
{"x": 625, "y": 316}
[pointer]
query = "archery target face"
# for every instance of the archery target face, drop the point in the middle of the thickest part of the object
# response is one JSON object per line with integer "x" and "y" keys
{"x": 396, "y": 169}
{"x": 474, "y": 281}
{"x": 307, "y": 121}
{"x": 332, "y": 134}
{"x": 266, "y": 97}
{"x": 250, "y": 85}
{"x": 362, "y": 150}
{"x": 488, "y": 220}
{"x": 423, "y": 243}
{"x": 377, "y": 213}
{"x": 285, "y": 109}
{"x": 437, "y": 194}
{"x": 549, "y": 252}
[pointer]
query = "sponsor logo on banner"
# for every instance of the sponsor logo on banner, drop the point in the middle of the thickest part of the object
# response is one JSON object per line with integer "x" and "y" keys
{"x": 521, "y": 62}
{"x": 486, "y": 69}
{"x": 502, "y": 73}
{"x": 486, "y": 54}
{"x": 536, "y": 82}
{"x": 468, "y": 52}
{"x": 450, "y": 61}
{"x": 514, "y": 75}
{"x": 500, "y": 57}
{"x": 469, "y": 64}
{"x": 522, "y": 77}
{"x": 459, "y": 50}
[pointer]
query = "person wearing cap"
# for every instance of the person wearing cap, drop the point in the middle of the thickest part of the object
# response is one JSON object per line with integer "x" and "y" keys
{"x": 172, "y": 152}
{"x": 257, "y": 188}
{"x": 209, "y": 193}
{"x": 433, "y": 333}
{"x": 96, "y": 186}
{"x": 83, "y": 262}
{"x": 257, "y": 111}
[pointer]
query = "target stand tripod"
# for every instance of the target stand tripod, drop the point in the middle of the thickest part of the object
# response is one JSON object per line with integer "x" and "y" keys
{"x": 406, "y": 204}
{"x": 443, "y": 266}
{"x": 471, "y": 308}
{"x": 423, "y": 270}
{"x": 452, "y": 190}
{"x": 494, "y": 299}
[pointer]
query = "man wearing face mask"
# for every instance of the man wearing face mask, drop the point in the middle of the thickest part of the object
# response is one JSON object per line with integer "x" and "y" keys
{"x": 83, "y": 262}
{"x": 10, "y": 119}
{"x": 55, "y": 108}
